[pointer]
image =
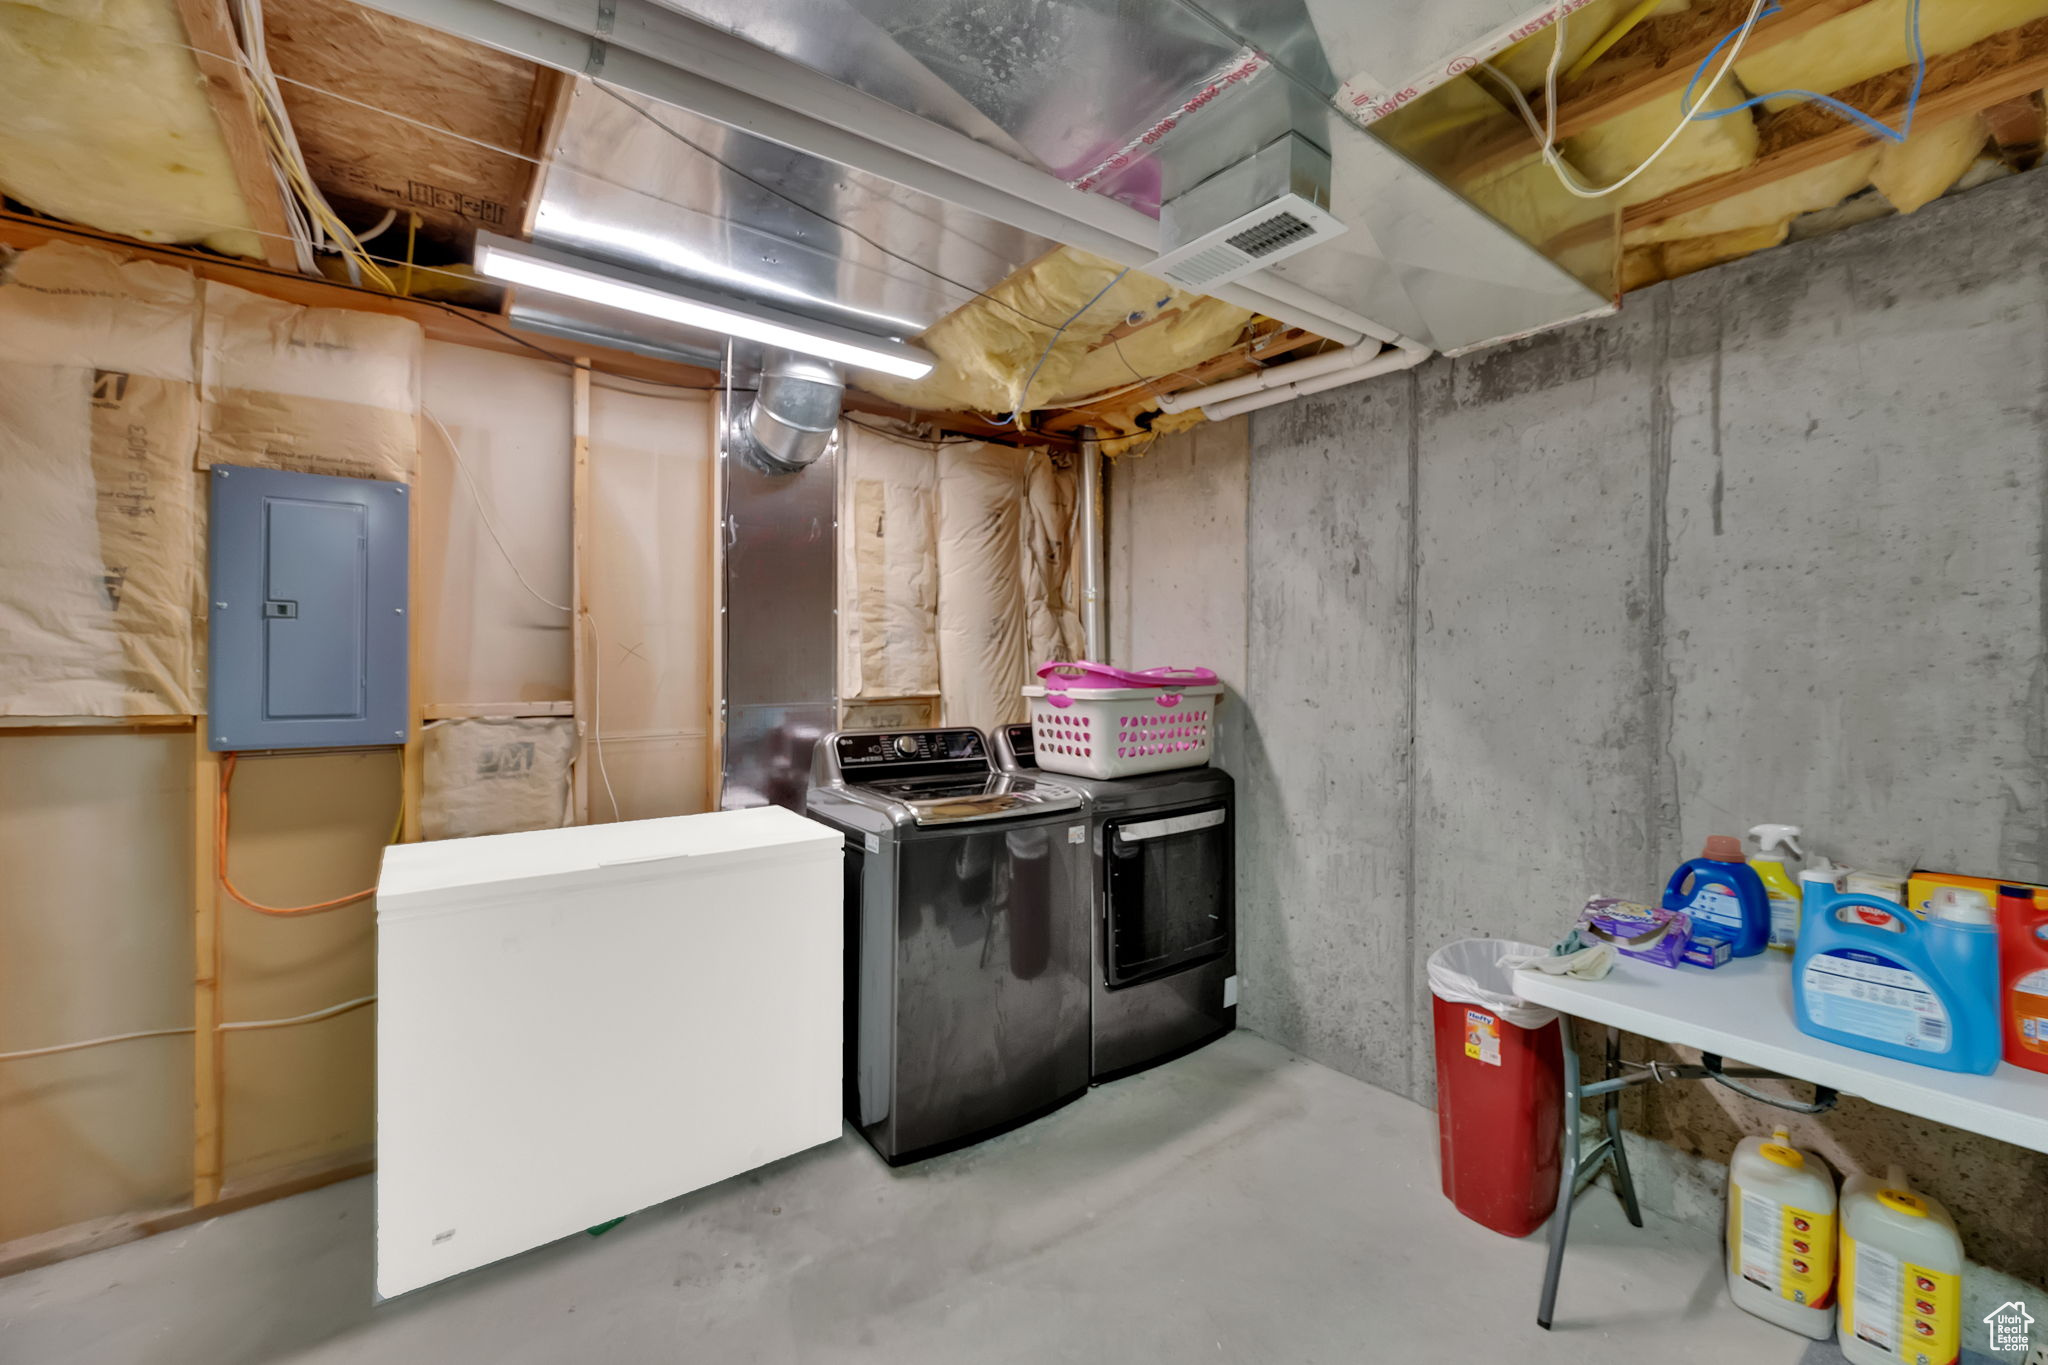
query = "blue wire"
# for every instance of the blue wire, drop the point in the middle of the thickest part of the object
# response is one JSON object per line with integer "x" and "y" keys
{"x": 1854, "y": 115}
{"x": 1014, "y": 419}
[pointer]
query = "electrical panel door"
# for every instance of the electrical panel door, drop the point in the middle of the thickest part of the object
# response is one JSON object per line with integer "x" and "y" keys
{"x": 307, "y": 632}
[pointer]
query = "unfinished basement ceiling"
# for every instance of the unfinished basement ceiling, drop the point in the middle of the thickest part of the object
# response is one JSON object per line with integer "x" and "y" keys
{"x": 664, "y": 191}
{"x": 1180, "y": 90}
{"x": 1122, "y": 104}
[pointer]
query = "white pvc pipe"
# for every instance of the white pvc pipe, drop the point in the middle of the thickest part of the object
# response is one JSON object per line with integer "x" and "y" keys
{"x": 1346, "y": 359}
{"x": 1280, "y": 387}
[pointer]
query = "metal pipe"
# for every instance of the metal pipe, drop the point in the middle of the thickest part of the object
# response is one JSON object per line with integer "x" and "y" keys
{"x": 655, "y": 51}
{"x": 1093, "y": 632}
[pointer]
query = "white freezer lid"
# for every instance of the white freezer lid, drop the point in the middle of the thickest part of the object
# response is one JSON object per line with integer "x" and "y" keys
{"x": 417, "y": 877}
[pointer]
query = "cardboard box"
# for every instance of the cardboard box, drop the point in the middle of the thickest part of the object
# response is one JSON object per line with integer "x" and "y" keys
{"x": 1922, "y": 885}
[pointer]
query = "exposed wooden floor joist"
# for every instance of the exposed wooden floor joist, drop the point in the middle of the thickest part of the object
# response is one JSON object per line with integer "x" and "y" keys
{"x": 2002, "y": 67}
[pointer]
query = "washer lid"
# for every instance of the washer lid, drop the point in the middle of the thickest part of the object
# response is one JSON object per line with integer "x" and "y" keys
{"x": 956, "y": 799}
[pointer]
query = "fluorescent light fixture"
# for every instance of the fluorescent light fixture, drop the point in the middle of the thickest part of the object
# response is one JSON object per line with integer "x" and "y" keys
{"x": 533, "y": 266}
{"x": 570, "y": 232}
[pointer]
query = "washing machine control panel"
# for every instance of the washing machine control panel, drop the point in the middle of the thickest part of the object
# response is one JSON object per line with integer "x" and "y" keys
{"x": 882, "y": 749}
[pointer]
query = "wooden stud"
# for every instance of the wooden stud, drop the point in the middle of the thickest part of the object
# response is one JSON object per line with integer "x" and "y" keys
{"x": 211, "y": 36}
{"x": 80, "y": 1239}
{"x": 582, "y": 693}
{"x": 2001, "y": 67}
{"x": 209, "y": 1081}
{"x": 85, "y": 725}
{"x": 412, "y": 776}
{"x": 714, "y": 728}
{"x": 496, "y": 710}
{"x": 2018, "y": 130}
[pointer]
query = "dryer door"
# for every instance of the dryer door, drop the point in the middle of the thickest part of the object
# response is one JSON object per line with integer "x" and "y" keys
{"x": 1168, "y": 891}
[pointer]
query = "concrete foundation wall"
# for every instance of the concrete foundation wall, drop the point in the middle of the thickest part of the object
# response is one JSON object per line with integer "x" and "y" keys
{"x": 1529, "y": 625}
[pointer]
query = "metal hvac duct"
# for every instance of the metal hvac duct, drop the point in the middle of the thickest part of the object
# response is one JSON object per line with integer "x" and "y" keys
{"x": 794, "y": 414}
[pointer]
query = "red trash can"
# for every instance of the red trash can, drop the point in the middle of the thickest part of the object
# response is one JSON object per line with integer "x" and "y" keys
{"x": 1499, "y": 1088}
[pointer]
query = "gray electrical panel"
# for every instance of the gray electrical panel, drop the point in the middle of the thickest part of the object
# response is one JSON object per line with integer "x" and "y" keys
{"x": 306, "y": 632}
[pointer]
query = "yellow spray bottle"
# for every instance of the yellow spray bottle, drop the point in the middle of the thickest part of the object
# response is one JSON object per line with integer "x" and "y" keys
{"x": 1774, "y": 844}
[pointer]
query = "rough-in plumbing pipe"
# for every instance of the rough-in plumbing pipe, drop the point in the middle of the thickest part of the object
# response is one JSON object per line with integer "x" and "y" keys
{"x": 1298, "y": 378}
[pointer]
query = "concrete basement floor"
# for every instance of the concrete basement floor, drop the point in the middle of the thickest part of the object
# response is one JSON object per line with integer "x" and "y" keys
{"x": 1240, "y": 1204}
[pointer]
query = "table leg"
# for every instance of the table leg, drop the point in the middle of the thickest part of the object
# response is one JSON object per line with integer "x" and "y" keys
{"x": 1624, "y": 1182}
{"x": 1568, "y": 1183}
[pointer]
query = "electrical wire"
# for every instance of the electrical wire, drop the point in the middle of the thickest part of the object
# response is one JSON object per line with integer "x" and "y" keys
{"x": 1546, "y": 131}
{"x": 220, "y": 860}
{"x": 1615, "y": 33}
{"x": 587, "y": 620}
{"x": 312, "y": 211}
{"x": 1913, "y": 42}
{"x": 311, "y": 1017}
{"x": 237, "y": 1026}
{"x": 92, "y": 1042}
{"x": 484, "y": 514}
{"x": 597, "y": 709}
{"x": 1016, "y": 414}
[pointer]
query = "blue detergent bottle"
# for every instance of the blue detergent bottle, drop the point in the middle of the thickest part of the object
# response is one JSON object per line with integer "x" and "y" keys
{"x": 1871, "y": 976}
{"x": 1723, "y": 896}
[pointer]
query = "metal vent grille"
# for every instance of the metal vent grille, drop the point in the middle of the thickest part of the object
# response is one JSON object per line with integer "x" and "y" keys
{"x": 1265, "y": 238}
{"x": 1205, "y": 266}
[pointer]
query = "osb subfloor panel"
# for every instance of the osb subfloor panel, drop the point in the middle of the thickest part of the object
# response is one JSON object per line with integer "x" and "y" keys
{"x": 1240, "y": 1204}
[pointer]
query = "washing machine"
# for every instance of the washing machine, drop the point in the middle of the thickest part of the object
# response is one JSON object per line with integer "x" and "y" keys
{"x": 1162, "y": 908}
{"x": 967, "y": 957}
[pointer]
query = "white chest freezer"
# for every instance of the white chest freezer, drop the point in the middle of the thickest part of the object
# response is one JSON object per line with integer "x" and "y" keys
{"x": 577, "y": 1023}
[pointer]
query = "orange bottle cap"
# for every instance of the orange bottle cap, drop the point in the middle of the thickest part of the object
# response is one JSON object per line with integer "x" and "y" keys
{"x": 1723, "y": 848}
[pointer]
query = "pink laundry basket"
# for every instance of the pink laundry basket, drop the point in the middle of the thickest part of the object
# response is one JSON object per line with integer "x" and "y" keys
{"x": 1108, "y": 732}
{"x": 1064, "y": 677}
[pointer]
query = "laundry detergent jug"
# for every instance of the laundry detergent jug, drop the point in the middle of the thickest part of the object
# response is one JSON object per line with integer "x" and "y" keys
{"x": 1870, "y": 975}
{"x": 1723, "y": 897}
{"x": 1902, "y": 1275}
{"x": 2023, "y": 960}
{"x": 1781, "y": 1235}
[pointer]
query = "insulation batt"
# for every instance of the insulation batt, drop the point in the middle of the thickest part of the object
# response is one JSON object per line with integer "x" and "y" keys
{"x": 1777, "y": 202}
{"x": 1525, "y": 62}
{"x": 1920, "y": 170}
{"x": 958, "y": 577}
{"x": 1610, "y": 150}
{"x": 987, "y": 348}
{"x": 99, "y": 550}
{"x": 102, "y": 422}
{"x": 1871, "y": 39}
{"x": 495, "y": 776}
{"x": 104, "y": 120}
{"x": 889, "y": 569}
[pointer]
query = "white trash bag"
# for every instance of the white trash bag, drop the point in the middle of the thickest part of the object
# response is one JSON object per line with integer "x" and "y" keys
{"x": 1476, "y": 971}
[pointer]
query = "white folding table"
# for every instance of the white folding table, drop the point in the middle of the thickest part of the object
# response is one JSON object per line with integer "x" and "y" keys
{"x": 1744, "y": 1011}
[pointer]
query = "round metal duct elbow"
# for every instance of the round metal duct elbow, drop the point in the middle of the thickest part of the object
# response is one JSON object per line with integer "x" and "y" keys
{"x": 794, "y": 415}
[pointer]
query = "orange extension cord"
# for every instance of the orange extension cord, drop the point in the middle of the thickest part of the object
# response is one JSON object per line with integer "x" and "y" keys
{"x": 220, "y": 859}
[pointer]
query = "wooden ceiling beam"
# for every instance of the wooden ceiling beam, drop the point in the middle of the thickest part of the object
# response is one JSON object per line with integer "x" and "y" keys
{"x": 553, "y": 93}
{"x": 210, "y": 34}
{"x": 1659, "y": 57}
{"x": 440, "y": 322}
{"x": 2002, "y": 67}
{"x": 1655, "y": 59}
